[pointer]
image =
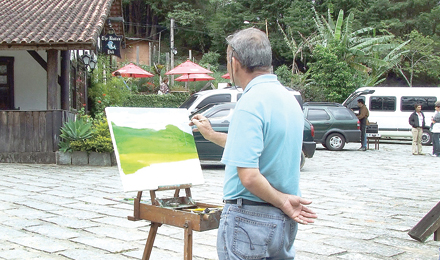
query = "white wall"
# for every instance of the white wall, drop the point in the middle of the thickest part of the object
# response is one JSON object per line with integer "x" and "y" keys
{"x": 30, "y": 80}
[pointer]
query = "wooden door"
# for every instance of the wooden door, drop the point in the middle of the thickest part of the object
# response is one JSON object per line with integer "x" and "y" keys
{"x": 6, "y": 83}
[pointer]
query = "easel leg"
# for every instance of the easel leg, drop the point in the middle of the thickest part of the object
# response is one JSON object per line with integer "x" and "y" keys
{"x": 188, "y": 239}
{"x": 150, "y": 240}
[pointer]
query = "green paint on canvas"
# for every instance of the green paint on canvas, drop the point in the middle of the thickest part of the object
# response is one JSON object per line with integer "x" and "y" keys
{"x": 139, "y": 148}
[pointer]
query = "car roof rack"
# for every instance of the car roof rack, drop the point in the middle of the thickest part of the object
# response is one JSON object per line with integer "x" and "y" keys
{"x": 328, "y": 104}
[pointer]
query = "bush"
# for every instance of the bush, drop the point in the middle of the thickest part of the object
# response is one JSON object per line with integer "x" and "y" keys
{"x": 171, "y": 100}
{"x": 96, "y": 139}
{"x": 113, "y": 93}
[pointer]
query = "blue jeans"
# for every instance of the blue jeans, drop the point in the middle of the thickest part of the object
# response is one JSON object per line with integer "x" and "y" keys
{"x": 436, "y": 143}
{"x": 255, "y": 232}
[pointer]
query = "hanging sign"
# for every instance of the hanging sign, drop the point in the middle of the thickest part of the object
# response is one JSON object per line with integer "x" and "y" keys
{"x": 111, "y": 44}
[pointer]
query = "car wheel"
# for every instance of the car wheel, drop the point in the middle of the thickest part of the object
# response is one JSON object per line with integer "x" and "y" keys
{"x": 426, "y": 137}
{"x": 303, "y": 160}
{"x": 335, "y": 142}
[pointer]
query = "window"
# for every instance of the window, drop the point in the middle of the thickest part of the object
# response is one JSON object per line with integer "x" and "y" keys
{"x": 221, "y": 113}
{"x": 407, "y": 103}
{"x": 354, "y": 103}
{"x": 220, "y": 98}
{"x": 6, "y": 83}
{"x": 341, "y": 113}
{"x": 317, "y": 115}
{"x": 378, "y": 103}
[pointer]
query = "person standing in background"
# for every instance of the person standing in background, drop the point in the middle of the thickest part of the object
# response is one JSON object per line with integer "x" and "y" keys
{"x": 164, "y": 89}
{"x": 417, "y": 121}
{"x": 435, "y": 129}
{"x": 363, "y": 119}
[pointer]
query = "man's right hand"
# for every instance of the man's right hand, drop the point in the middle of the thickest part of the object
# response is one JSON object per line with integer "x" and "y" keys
{"x": 205, "y": 128}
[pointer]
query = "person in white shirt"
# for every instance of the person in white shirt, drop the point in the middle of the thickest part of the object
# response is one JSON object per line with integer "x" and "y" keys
{"x": 417, "y": 121}
{"x": 435, "y": 130}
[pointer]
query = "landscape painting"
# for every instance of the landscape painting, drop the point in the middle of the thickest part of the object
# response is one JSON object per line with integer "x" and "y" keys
{"x": 154, "y": 147}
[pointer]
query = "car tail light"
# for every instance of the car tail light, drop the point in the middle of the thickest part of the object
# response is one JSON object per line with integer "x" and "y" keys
{"x": 312, "y": 130}
{"x": 359, "y": 125}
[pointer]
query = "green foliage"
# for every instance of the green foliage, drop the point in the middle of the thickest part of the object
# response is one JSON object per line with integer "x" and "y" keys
{"x": 98, "y": 138}
{"x": 333, "y": 75}
{"x": 421, "y": 58}
{"x": 170, "y": 100}
{"x": 76, "y": 130}
{"x": 210, "y": 60}
{"x": 112, "y": 93}
{"x": 72, "y": 131}
{"x": 284, "y": 75}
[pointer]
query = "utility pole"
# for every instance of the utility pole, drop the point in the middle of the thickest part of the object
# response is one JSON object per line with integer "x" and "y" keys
{"x": 172, "y": 50}
{"x": 158, "y": 56}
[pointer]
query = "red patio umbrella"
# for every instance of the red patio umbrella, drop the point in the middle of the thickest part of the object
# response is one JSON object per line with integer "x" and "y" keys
{"x": 133, "y": 71}
{"x": 226, "y": 76}
{"x": 194, "y": 77}
{"x": 188, "y": 67}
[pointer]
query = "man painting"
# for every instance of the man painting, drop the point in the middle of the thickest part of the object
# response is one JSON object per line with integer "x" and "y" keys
{"x": 262, "y": 156}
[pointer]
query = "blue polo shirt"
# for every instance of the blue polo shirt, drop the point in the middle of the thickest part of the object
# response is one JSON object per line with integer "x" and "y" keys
{"x": 265, "y": 132}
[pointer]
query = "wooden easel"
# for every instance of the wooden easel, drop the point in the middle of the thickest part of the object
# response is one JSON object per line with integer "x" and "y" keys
{"x": 187, "y": 220}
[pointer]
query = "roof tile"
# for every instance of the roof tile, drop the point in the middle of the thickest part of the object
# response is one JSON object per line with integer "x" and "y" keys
{"x": 43, "y": 22}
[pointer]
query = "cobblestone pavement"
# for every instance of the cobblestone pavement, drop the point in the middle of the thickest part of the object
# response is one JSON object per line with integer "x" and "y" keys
{"x": 366, "y": 203}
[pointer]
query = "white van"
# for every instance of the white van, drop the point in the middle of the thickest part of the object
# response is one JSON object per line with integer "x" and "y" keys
{"x": 390, "y": 108}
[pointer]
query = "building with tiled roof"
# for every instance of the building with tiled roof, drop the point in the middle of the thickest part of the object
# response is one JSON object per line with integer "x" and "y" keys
{"x": 37, "y": 40}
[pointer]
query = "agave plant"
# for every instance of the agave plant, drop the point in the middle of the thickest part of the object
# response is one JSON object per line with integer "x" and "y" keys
{"x": 74, "y": 131}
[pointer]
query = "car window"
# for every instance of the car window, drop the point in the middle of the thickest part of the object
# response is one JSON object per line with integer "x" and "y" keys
{"x": 221, "y": 113}
{"x": 317, "y": 115}
{"x": 189, "y": 102}
{"x": 239, "y": 96}
{"x": 220, "y": 98}
{"x": 379, "y": 103}
{"x": 341, "y": 113}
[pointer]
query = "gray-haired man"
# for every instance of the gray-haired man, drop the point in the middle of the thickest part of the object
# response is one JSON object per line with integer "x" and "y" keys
{"x": 262, "y": 157}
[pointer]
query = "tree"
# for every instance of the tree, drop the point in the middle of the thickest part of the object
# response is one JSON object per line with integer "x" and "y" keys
{"x": 421, "y": 58}
{"x": 369, "y": 54}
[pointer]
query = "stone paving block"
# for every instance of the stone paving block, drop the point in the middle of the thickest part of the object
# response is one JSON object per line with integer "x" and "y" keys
{"x": 96, "y": 200}
{"x": 8, "y": 232}
{"x": 156, "y": 254}
{"x": 357, "y": 256}
{"x": 53, "y": 231}
{"x": 125, "y": 234}
{"x": 108, "y": 244}
{"x": 56, "y": 200}
{"x": 99, "y": 159}
{"x": 358, "y": 234}
{"x": 365, "y": 246}
{"x": 79, "y": 214}
{"x": 39, "y": 205}
{"x": 318, "y": 248}
{"x": 28, "y": 213}
{"x": 69, "y": 222}
{"x": 19, "y": 223}
{"x": 41, "y": 243}
{"x": 121, "y": 222}
{"x": 82, "y": 254}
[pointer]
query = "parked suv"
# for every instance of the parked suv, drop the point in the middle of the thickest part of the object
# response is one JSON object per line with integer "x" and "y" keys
{"x": 220, "y": 115}
{"x": 334, "y": 124}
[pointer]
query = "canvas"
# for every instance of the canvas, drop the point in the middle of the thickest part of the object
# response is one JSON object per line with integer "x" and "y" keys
{"x": 154, "y": 147}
